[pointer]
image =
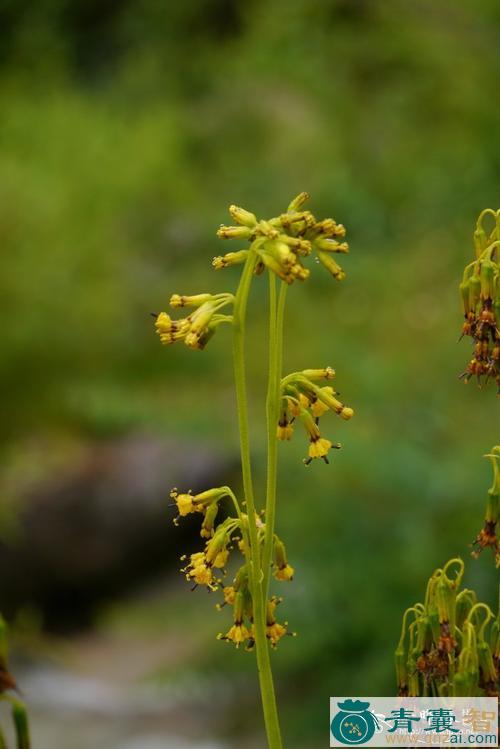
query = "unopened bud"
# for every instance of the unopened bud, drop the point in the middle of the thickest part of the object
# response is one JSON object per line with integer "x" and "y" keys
{"x": 298, "y": 202}
{"x": 242, "y": 217}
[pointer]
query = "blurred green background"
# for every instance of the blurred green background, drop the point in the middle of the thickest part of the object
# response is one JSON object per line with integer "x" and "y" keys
{"x": 126, "y": 131}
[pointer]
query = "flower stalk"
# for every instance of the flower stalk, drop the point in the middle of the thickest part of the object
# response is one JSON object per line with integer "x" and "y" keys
{"x": 279, "y": 246}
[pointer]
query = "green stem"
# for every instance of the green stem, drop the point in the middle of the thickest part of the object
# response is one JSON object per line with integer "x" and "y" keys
{"x": 276, "y": 316}
{"x": 261, "y": 647}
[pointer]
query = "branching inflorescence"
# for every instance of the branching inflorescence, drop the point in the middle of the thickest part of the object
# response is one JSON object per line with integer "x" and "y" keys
{"x": 450, "y": 644}
{"x": 279, "y": 245}
{"x": 480, "y": 294}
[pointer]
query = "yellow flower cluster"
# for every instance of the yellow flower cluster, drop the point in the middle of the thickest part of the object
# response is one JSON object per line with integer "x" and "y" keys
{"x": 208, "y": 567}
{"x": 281, "y": 243}
{"x": 241, "y": 631}
{"x": 197, "y": 328}
{"x": 202, "y": 564}
{"x": 302, "y": 398}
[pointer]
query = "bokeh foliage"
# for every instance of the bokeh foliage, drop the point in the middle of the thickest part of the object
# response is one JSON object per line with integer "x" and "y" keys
{"x": 126, "y": 130}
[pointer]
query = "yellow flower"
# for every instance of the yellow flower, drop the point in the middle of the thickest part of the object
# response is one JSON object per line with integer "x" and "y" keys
{"x": 318, "y": 408}
{"x": 229, "y": 594}
{"x": 297, "y": 405}
{"x": 220, "y": 560}
{"x": 284, "y": 429}
{"x": 200, "y": 571}
{"x": 284, "y": 573}
{"x": 237, "y": 634}
{"x": 284, "y": 432}
{"x": 184, "y": 503}
{"x": 170, "y": 330}
{"x": 242, "y": 546}
{"x": 163, "y": 323}
{"x": 201, "y": 574}
{"x": 197, "y": 558}
{"x": 275, "y": 632}
{"x": 319, "y": 447}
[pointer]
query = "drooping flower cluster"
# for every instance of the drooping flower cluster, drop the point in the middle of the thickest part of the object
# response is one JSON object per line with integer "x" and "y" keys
{"x": 450, "y": 644}
{"x": 302, "y": 398}
{"x": 208, "y": 567}
{"x": 487, "y": 536}
{"x": 198, "y": 327}
{"x": 480, "y": 294}
{"x": 282, "y": 243}
{"x": 279, "y": 244}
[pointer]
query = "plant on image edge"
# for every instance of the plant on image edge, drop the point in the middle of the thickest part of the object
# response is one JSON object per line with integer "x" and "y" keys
{"x": 450, "y": 644}
{"x": 480, "y": 294}
{"x": 278, "y": 246}
{"x": 7, "y": 687}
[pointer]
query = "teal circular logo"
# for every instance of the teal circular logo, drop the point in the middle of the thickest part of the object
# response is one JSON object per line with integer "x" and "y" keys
{"x": 354, "y": 723}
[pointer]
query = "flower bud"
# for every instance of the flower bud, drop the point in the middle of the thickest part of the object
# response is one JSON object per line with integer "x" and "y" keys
{"x": 474, "y": 291}
{"x": 465, "y": 296}
{"x": 487, "y": 276}
{"x": 329, "y": 263}
{"x": 480, "y": 240}
{"x": 465, "y": 601}
{"x": 331, "y": 245}
{"x": 298, "y": 202}
{"x": 230, "y": 258}
{"x": 207, "y": 527}
{"x": 242, "y": 217}
{"x": 234, "y": 232}
{"x": 445, "y": 600}
{"x": 329, "y": 228}
{"x": 196, "y": 300}
{"x": 282, "y": 570}
{"x": 326, "y": 373}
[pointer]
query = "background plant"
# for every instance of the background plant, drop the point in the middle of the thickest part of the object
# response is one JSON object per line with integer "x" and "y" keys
{"x": 279, "y": 245}
{"x": 487, "y": 536}
{"x": 444, "y": 651}
{"x": 480, "y": 293}
{"x": 450, "y": 643}
{"x": 8, "y": 687}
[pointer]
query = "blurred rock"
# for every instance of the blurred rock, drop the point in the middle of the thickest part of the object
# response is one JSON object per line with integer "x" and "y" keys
{"x": 93, "y": 524}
